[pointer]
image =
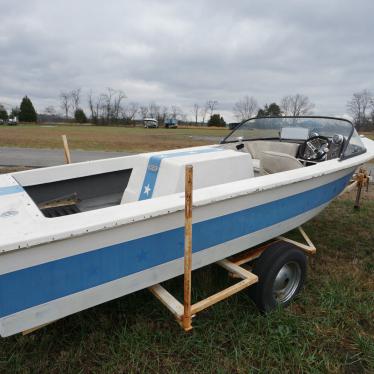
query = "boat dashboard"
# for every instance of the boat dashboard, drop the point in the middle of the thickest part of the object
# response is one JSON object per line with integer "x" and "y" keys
{"x": 318, "y": 138}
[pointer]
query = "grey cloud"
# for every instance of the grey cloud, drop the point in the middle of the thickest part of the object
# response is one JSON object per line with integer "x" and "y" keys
{"x": 178, "y": 52}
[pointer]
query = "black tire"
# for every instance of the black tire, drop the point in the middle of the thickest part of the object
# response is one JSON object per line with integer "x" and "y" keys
{"x": 286, "y": 261}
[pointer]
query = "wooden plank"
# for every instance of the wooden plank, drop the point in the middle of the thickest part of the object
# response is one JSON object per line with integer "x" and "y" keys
{"x": 306, "y": 237}
{"x": 237, "y": 270}
{"x": 29, "y": 331}
{"x": 249, "y": 255}
{"x": 219, "y": 296}
{"x": 71, "y": 199}
{"x": 307, "y": 248}
{"x": 166, "y": 298}
{"x": 187, "y": 248}
{"x": 66, "y": 149}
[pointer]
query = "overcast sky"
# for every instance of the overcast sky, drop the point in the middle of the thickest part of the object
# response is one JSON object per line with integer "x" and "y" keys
{"x": 186, "y": 52}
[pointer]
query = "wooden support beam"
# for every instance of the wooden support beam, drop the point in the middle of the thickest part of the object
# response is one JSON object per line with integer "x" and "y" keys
{"x": 66, "y": 149}
{"x": 166, "y": 298}
{"x": 29, "y": 331}
{"x": 237, "y": 270}
{"x": 188, "y": 248}
{"x": 308, "y": 248}
{"x": 249, "y": 255}
{"x": 224, "y": 294}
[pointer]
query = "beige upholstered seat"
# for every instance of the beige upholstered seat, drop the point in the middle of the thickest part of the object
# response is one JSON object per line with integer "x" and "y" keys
{"x": 257, "y": 146}
{"x": 270, "y": 156}
{"x": 275, "y": 162}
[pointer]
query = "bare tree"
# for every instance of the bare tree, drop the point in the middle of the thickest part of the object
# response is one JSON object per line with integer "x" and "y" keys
{"x": 372, "y": 110}
{"x": 296, "y": 105}
{"x": 359, "y": 105}
{"x": 196, "y": 111}
{"x": 204, "y": 111}
{"x": 95, "y": 106}
{"x": 119, "y": 96}
{"x": 65, "y": 103}
{"x": 111, "y": 105}
{"x": 163, "y": 114}
{"x": 154, "y": 110}
{"x": 212, "y": 106}
{"x": 144, "y": 111}
{"x": 176, "y": 112}
{"x": 245, "y": 108}
{"x": 75, "y": 97}
{"x": 129, "y": 111}
{"x": 106, "y": 105}
{"x": 50, "y": 111}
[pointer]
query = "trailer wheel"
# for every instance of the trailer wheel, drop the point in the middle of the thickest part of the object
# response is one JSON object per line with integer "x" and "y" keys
{"x": 281, "y": 270}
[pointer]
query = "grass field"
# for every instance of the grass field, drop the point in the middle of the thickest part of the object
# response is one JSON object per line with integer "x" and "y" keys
{"x": 370, "y": 135}
{"x": 107, "y": 138}
{"x": 329, "y": 328}
{"x": 110, "y": 138}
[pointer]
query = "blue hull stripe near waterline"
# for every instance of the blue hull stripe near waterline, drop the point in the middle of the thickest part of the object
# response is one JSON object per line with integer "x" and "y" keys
{"x": 154, "y": 164}
{"x": 32, "y": 286}
{"x": 10, "y": 190}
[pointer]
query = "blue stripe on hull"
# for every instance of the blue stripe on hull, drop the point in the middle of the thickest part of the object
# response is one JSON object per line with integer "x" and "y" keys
{"x": 10, "y": 190}
{"x": 32, "y": 286}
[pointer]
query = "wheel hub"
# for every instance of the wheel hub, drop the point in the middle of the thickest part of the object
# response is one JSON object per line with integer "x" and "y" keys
{"x": 286, "y": 282}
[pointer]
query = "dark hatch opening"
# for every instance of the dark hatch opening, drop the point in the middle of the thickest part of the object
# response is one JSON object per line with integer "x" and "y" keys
{"x": 82, "y": 194}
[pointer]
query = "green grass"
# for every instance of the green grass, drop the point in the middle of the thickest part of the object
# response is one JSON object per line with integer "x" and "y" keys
{"x": 329, "y": 328}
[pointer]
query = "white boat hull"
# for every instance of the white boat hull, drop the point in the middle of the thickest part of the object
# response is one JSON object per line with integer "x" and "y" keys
{"x": 52, "y": 280}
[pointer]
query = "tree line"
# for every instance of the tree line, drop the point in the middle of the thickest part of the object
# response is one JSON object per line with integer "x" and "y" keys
{"x": 24, "y": 113}
{"x": 112, "y": 107}
{"x": 290, "y": 105}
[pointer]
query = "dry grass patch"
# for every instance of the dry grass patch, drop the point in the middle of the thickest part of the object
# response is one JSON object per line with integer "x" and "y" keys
{"x": 108, "y": 138}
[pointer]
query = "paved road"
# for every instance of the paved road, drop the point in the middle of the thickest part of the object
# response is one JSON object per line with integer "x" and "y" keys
{"x": 48, "y": 157}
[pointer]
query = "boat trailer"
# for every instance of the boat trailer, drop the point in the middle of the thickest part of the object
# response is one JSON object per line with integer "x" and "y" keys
{"x": 186, "y": 311}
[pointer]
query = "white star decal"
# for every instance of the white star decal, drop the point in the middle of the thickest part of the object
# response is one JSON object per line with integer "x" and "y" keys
{"x": 147, "y": 189}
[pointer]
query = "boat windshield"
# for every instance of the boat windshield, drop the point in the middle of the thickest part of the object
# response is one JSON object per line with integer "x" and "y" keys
{"x": 298, "y": 129}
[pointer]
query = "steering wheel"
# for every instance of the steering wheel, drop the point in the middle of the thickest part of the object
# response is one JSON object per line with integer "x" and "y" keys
{"x": 315, "y": 148}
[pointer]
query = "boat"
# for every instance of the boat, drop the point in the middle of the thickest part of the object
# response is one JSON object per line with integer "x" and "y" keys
{"x": 78, "y": 235}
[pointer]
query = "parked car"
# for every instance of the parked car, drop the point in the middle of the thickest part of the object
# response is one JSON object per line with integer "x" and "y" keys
{"x": 150, "y": 123}
{"x": 1, "y": 122}
{"x": 171, "y": 123}
{"x": 12, "y": 121}
{"x": 232, "y": 125}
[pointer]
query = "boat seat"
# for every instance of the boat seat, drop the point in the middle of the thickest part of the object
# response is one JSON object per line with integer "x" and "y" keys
{"x": 275, "y": 162}
{"x": 256, "y": 147}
